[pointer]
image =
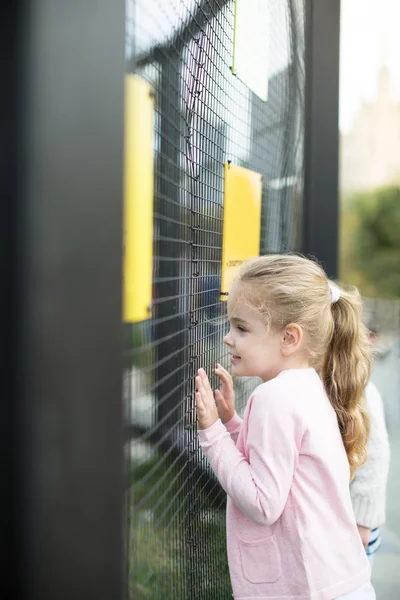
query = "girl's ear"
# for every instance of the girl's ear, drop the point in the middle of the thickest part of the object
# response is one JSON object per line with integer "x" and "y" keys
{"x": 292, "y": 336}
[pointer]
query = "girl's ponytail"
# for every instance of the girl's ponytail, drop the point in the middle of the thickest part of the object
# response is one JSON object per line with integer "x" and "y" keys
{"x": 292, "y": 289}
{"x": 345, "y": 374}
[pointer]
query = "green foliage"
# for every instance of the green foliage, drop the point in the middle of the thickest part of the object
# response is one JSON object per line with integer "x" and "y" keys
{"x": 163, "y": 514}
{"x": 137, "y": 342}
{"x": 370, "y": 242}
{"x": 154, "y": 557}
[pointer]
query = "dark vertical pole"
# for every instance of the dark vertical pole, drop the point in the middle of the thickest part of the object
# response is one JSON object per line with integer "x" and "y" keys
{"x": 63, "y": 230}
{"x": 321, "y": 203}
{"x": 10, "y": 176}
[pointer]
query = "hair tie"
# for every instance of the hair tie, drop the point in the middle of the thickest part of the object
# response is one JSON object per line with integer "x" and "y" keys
{"x": 335, "y": 292}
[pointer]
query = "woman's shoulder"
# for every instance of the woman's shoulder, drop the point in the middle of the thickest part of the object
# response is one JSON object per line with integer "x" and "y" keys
{"x": 375, "y": 408}
{"x": 372, "y": 394}
{"x": 374, "y": 402}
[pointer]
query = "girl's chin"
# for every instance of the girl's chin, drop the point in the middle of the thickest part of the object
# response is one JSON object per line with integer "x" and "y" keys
{"x": 240, "y": 371}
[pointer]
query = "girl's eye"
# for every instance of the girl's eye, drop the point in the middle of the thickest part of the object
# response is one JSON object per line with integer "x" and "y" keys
{"x": 242, "y": 329}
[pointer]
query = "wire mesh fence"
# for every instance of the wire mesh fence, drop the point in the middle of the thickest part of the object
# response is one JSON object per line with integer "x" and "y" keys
{"x": 204, "y": 117}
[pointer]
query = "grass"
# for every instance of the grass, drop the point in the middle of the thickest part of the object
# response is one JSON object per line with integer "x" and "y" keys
{"x": 177, "y": 542}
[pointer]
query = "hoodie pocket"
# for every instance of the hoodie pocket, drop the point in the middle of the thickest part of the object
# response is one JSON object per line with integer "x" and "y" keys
{"x": 261, "y": 561}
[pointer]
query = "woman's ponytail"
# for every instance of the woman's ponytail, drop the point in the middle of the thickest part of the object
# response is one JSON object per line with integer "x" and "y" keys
{"x": 345, "y": 374}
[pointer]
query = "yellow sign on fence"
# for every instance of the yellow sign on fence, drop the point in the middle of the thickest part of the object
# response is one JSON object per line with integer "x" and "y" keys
{"x": 138, "y": 213}
{"x": 242, "y": 221}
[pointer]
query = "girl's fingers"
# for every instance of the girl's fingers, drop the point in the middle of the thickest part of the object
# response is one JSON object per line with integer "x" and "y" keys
{"x": 199, "y": 385}
{"x": 203, "y": 376}
{"x": 223, "y": 374}
{"x": 201, "y": 408}
{"x": 205, "y": 395}
{"x": 220, "y": 400}
{"x": 205, "y": 381}
{"x": 199, "y": 402}
{"x": 225, "y": 381}
{"x": 221, "y": 368}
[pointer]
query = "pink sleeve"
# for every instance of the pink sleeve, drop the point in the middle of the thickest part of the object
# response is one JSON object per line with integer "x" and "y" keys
{"x": 259, "y": 485}
{"x": 233, "y": 426}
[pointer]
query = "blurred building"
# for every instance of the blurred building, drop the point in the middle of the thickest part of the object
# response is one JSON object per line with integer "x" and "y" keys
{"x": 370, "y": 152}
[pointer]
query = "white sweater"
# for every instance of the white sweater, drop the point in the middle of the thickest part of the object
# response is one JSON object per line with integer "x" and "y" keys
{"x": 368, "y": 488}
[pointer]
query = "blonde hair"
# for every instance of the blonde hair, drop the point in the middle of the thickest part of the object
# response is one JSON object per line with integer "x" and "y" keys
{"x": 292, "y": 289}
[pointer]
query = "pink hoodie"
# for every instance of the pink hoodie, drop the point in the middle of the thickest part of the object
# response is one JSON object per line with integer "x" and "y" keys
{"x": 291, "y": 532}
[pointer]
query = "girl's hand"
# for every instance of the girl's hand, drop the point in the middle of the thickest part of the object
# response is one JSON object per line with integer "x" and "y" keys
{"x": 364, "y": 534}
{"x": 225, "y": 398}
{"x": 207, "y": 413}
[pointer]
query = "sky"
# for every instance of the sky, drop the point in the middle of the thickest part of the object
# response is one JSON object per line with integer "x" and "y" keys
{"x": 370, "y": 37}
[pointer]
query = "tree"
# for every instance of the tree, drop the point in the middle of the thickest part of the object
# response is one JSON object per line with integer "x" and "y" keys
{"x": 370, "y": 242}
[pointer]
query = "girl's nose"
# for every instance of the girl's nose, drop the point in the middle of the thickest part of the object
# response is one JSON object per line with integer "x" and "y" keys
{"x": 227, "y": 339}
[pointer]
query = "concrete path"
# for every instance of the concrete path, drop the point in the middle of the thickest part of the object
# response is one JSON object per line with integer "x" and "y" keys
{"x": 386, "y": 569}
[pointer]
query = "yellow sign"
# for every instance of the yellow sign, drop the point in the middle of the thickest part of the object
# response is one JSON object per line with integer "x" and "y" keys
{"x": 242, "y": 221}
{"x": 138, "y": 213}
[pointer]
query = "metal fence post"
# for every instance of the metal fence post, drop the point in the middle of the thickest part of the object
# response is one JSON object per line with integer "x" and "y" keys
{"x": 321, "y": 205}
{"x": 62, "y": 150}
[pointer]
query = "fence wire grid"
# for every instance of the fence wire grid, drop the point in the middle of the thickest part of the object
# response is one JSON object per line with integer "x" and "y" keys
{"x": 204, "y": 116}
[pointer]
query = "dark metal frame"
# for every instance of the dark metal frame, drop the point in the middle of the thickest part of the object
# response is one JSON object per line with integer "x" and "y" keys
{"x": 61, "y": 228}
{"x": 321, "y": 196}
{"x": 10, "y": 526}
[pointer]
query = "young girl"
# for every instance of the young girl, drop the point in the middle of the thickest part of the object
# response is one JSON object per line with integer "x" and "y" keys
{"x": 291, "y": 531}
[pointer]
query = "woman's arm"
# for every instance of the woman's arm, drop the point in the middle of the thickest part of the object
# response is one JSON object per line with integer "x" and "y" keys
{"x": 368, "y": 488}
